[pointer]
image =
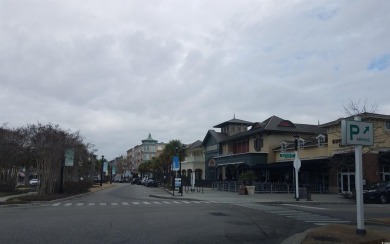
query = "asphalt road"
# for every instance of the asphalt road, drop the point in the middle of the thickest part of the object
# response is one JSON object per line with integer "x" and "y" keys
{"x": 126, "y": 214}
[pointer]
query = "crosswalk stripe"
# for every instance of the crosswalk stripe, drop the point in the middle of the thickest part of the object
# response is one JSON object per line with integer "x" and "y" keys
{"x": 114, "y": 204}
{"x": 167, "y": 202}
{"x": 68, "y": 204}
{"x": 125, "y": 203}
{"x": 56, "y": 204}
{"x": 103, "y": 204}
{"x": 157, "y": 202}
{"x": 176, "y": 202}
{"x": 79, "y": 204}
{"x": 185, "y": 202}
{"x": 136, "y": 203}
{"x": 91, "y": 204}
{"x": 147, "y": 203}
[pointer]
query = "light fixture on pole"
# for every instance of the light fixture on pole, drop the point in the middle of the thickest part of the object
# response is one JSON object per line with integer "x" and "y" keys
{"x": 297, "y": 165}
{"x": 101, "y": 171}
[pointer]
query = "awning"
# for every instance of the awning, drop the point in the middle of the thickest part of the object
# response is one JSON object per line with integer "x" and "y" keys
{"x": 226, "y": 164}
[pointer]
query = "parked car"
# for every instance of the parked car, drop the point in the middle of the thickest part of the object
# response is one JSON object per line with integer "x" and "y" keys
{"x": 136, "y": 181}
{"x": 34, "y": 182}
{"x": 378, "y": 193}
{"x": 151, "y": 182}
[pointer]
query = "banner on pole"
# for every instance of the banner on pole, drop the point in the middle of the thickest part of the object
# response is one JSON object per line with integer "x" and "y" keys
{"x": 69, "y": 157}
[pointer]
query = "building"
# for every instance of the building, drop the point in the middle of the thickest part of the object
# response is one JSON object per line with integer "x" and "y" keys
{"x": 149, "y": 149}
{"x": 194, "y": 161}
{"x": 268, "y": 147}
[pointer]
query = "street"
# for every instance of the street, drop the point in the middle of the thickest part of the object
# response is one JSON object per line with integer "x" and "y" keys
{"x": 126, "y": 214}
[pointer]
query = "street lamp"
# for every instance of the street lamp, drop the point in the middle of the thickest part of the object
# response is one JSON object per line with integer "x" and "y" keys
{"x": 180, "y": 150}
{"x": 297, "y": 165}
{"x": 101, "y": 171}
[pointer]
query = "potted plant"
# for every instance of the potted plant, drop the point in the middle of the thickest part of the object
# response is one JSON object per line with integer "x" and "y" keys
{"x": 247, "y": 178}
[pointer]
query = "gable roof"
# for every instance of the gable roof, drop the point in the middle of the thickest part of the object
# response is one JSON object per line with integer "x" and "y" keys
{"x": 219, "y": 137}
{"x": 196, "y": 144}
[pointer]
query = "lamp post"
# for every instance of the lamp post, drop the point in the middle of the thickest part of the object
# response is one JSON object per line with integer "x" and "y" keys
{"x": 297, "y": 165}
{"x": 180, "y": 150}
{"x": 101, "y": 171}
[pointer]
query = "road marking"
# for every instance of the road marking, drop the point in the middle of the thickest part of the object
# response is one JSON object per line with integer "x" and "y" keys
{"x": 136, "y": 203}
{"x": 294, "y": 205}
{"x": 79, "y": 204}
{"x": 103, "y": 204}
{"x": 114, "y": 204}
{"x": 157, "y": 202}
{"x": 185, "y": 202}
{"x": 125, "y": 203}
{"x": 56, "y": 204}
{"x": 147, "y": 203}
{"x": 167, "y": 202}
{"x": 176, "y": 202}
{"x": 68, "y": 204}
{"x": 91, "y": 204}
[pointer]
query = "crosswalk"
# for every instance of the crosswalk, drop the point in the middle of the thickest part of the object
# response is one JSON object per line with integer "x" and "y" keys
{"x": 133, "y": 203}
{"x": 312, "y": 218}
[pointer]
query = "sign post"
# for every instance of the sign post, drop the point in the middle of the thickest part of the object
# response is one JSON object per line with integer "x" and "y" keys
{"x": 359, "y": 134}
{"x": 297, "y": 166}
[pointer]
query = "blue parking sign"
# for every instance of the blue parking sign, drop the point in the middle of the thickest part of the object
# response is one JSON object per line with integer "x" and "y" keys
{"x": 175, "y": 163}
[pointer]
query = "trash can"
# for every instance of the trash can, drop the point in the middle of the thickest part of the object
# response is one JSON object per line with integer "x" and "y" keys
{"x": 302, "y": 193}
{"x": 308, "y": 192}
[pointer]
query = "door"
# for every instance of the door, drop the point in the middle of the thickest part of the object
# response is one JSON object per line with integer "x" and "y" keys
{"x": 347, "y": 182}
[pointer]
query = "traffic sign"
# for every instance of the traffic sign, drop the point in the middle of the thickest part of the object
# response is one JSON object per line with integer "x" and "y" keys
{"x": 357, "y": 133}
{"x": 287, "y": 155}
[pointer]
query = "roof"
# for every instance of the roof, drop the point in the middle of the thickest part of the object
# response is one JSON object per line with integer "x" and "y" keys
{"x": 275, "y": 123}
{"x": 363, "y": 116}
{"x": 196, "y": 144}
{"x": 234, "y": 121}
{"x": 219, "y": 137}
{"x": 149, "y": 139}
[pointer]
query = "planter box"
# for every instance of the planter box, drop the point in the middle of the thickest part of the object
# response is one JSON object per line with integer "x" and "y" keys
{"x": 251, "y": 190}
{"x": 242, "y": 191}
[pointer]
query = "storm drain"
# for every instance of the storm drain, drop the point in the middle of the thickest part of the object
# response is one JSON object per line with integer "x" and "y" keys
{"x": 219, "y": 214}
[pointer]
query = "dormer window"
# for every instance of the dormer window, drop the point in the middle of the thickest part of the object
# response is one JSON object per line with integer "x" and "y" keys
{"x": 301, "y": 143}
{"x": 283, "y": 146}
{"x": 320, "y": 140}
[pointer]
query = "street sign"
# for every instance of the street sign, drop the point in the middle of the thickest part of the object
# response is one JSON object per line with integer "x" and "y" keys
{"x": 287, "y": 155}
{"x": 177, "y": 183}
{"x": 357, "y": 133}
{"x": 175, "y": 163}
{"x": 297, "y": 163}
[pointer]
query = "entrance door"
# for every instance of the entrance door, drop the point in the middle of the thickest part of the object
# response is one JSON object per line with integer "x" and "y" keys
{"x": 386, "y": 177}
{"x": 347, "y": 182}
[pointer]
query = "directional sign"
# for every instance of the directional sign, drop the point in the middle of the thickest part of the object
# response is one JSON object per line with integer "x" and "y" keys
{"x": 287, "y": 155}
{"x": 357, "y": 133}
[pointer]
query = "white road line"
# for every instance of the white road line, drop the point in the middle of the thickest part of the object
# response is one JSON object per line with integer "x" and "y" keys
{"x": 114, "y": 204}
{"x": 103, "y": 204}
{"x": 79, "y": 204}
{"x": 136, "y": 203}
{"x": 68, "y": 204}
{"x": 125, "y": 203}
{"x": 157, "y": 202}
{"x": 167, "y": 202}
{"x": 185, "y": 202}
{"x": 56, "y": 204}
{"x": 147, "y": 203}
{"x": 91, "y": 204}
{"x": 176, "y": 202}
{"x": 196, "y": 202}
{"x": 294, "y": 205}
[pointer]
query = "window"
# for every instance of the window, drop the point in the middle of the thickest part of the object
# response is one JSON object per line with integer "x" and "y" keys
{"x": 301, "y": 143}
{"x": 283, "y": 146}
{"x": 321, "y": 140}
{"x": 387, "y": 125}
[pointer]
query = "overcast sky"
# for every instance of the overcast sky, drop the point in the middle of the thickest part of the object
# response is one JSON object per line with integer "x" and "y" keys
{"x": 119, "y": 70}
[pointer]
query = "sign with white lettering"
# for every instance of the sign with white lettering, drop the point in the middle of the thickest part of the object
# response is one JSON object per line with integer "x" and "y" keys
{"x": 357, "y": 133}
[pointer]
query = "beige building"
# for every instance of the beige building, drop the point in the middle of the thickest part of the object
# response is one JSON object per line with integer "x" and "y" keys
{"x": 194, "y": 161}
{"x": 268, "y": 148}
